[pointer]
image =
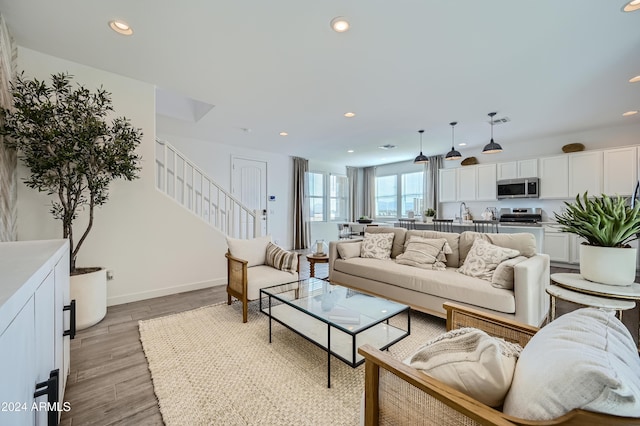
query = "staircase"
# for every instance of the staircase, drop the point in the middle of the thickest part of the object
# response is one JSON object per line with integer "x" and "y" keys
{"x": 182, "y": 181}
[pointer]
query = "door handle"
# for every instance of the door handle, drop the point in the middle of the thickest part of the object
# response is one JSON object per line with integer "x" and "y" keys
{"x": 50, "y": 388}
{"x": 72, "y": 319}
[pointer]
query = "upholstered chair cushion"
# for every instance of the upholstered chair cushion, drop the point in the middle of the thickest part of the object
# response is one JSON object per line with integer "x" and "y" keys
{"x": 254, "y": 251}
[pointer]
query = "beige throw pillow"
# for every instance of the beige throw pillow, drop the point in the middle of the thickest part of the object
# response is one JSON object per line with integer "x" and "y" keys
{"x": 471, "y": 361}
{"x": 503, "y": 276}
{"x": 349, "y": 250}
{"x": 484, "y": 258}
{"x": 377, "y": 246}
{"x": 280, "y": 258}
{"x": 426, "y": 253}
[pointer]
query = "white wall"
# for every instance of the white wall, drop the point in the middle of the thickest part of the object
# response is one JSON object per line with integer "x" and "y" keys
{"x": 153, "y": 246}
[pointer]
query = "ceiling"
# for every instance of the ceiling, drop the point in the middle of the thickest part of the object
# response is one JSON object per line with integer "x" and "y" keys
{"x": 551, "y": 67}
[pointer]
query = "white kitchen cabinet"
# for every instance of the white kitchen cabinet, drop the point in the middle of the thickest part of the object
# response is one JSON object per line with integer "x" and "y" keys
{"x": 620, "y": 171}
{"x": 447, "y": 185}
{"x": 557, "y": 245}
{"x": 466, "y": 183}
{"x": 585, "y": 173}
{"x": 486, "y": 182}
{"x": 554, "y": 177}
{"x": 32, "y": 339}
{"x": 517, "y": 169}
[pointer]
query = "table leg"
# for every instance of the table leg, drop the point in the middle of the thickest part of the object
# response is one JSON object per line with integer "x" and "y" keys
{"x": 328, "y": 356}
{"x": 552, "y": 308}
{"x": 312, "y": 267}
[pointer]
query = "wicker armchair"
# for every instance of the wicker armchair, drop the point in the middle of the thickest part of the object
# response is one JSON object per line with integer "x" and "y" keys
{"x": 244, "y": 283}
{"x": 397, "y": 394}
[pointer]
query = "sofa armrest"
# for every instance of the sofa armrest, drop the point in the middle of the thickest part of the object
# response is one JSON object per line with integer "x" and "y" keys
{"x": 531, "y": 277}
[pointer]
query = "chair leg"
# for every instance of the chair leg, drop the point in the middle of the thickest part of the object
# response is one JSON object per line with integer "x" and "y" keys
{"x": 244, "y": 311}
{"x": 228, "y": 299}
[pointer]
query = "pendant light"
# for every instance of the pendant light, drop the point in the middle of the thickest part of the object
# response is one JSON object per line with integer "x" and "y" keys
{"x": 453, "y": 154}
{"x": 421, "y": 159}
{"x": 492, "y": 147}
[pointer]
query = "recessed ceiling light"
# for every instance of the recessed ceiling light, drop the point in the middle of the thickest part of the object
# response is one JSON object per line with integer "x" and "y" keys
{"x": 120, "y": 27}
{"x": 349, "y": 151}
{"x": 634, "y": 79}
{"x": 631, "y": 6}
{"x": 628, "y": 113}
{"x": 462, "y": 144}
{"x": 284, "y": 134}
{"x": 339, "y": 24}
{"x": 349, "y": 114}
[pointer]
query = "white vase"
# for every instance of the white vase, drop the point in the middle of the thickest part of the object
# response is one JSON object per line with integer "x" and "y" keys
{"x": 90, "y": 292}
{"x": 428, "y": 219}
{"x": 608, "y": 265}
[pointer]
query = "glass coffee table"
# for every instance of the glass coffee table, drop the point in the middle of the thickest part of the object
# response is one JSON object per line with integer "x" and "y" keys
{"x": 335, "y": 318}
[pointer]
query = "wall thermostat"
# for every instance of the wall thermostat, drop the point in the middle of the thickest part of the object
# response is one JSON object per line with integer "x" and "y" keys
{"x": 272, "y": 197}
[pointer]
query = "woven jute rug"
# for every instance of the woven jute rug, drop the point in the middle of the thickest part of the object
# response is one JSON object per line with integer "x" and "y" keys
{"x": 208, "y": 368}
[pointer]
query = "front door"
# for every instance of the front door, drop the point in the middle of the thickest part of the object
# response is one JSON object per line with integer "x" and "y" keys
{"x": 249, "y": 186}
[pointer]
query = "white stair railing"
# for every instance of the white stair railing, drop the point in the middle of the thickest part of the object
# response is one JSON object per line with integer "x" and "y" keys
{"x": 186, "y": 184}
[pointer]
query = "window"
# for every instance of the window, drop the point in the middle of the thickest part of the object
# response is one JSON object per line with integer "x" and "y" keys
{"x": 328, "y": 197}
{"x": 398, "y": 194}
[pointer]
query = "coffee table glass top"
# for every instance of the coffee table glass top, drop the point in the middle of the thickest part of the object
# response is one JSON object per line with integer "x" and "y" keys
{"x": 339, "y": 306}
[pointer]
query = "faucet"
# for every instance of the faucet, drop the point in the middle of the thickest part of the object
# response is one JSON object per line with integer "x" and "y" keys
{"x": 462, "y": 211}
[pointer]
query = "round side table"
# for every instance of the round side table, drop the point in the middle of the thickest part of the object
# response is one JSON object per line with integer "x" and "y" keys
{"x": 316, "y": 258}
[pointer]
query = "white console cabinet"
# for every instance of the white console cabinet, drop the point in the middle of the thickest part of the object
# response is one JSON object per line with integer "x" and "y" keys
{"x": 34, "y": 330}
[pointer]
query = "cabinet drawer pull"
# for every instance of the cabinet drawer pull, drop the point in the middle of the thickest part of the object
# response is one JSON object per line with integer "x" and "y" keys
{"x": 72, "y": 319}
{"x": 50, "y": 388}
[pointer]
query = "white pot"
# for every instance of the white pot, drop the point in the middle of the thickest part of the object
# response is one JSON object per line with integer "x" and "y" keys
{"x": 90, "y": 292}
{"x": 608, "y": 265}
{"x": 428, "y": 219}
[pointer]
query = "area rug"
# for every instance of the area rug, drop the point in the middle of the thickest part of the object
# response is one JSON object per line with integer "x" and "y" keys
{"x": 208, "y": 368}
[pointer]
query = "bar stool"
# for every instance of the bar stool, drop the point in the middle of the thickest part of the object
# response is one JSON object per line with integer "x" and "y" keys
{"x": 407, "y": 223}
{"x": 443, "y": 225}
{"x": 490, "y": 226}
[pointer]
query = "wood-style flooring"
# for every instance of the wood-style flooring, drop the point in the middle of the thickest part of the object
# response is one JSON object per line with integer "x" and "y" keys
{"x": 109, "y": 381}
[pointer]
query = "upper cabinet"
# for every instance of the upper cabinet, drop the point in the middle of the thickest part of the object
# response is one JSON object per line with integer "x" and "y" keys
{"x": 466, "y": 183}
{"x": 585, "y": 173}
{"x": 620, "y": 171}
{"x": 554, "y": 177}
{"x": 517, "y": 169}
{"x": 447, "y": 185}
{"x": 486, "y": 182}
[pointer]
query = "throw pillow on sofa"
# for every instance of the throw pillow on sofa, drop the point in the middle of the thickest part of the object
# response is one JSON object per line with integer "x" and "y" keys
{"x": 471, "y": 361}
{"x": 585, "y": 359}
{"x": 425, "y": 253}
{"x": 280, "y": 258}
{"x": 349, "y": 250}
{"x": 503, "y": 276}
{"x": 377, "y": 246}
{"x": 484, "y": 258}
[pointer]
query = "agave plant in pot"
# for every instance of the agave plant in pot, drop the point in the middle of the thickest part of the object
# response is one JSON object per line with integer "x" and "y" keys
{"x": 73, "y": 150}
{"x": 608, "y": 224}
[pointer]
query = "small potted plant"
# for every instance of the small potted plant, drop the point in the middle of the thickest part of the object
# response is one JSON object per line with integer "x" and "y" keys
{"x": 365, "y": 219}
{"x": 608, "y": 224}
{"x": 429, "y": 214}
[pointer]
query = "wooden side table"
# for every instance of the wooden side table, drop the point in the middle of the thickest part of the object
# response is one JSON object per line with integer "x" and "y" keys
{"x": 316, "y": 258}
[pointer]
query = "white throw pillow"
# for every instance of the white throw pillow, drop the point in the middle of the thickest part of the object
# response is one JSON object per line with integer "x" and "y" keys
{"x": 377, "y": 246}
{"x": 471, "y": 361}
{"x": 484, "y": 258}
{"x": 253, "y": 251}
{"x": 349, "y": 250}
{"x": 503, "y": 276}
{"x": 425, "y": 253}
{"x": 280, "y": 258}
{"x": 585, "y": 359}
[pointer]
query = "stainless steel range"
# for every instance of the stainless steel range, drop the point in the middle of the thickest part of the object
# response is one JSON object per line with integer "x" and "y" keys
{"x": 526, "y": 216}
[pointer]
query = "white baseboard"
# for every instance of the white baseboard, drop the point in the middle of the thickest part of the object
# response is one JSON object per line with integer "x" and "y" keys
{"x": 143, "y": 295}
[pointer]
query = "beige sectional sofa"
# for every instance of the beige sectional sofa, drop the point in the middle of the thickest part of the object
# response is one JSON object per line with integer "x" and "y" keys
{"x": 426, "y": 290}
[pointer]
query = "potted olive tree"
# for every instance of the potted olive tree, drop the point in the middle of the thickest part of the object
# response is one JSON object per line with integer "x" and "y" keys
{"x": 73, "y": 150}
{"x": 608, "y": 224}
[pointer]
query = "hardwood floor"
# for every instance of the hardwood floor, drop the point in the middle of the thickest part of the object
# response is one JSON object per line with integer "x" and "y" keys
{"x": 109, "y": 381}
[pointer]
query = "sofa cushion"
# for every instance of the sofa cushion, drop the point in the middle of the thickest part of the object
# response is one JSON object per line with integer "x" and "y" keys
{"x": 377, "y": 246}
{"x": 281, "y": 259}
{"x": 471, "y": 361}
{"x": 446, "y": 284}
{"x": 503, "y": 276}
{"x": 426, "y": 253}
{"x": 254, "y": 251}
{"x": 265, "y": 276}
{"x": 585, "y": 359}
{"x": 347, "y": 250}
{"x": 484, "y": 258}
{"x": 398, "y": 237}
{"x": 524, "y": 242}
{"x": 452, "y": 238}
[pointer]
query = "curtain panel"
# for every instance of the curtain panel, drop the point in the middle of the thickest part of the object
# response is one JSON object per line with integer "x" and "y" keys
{"x": 369, "y": 190}
{"x": 354, "y": 199}
{"x": 301, "y": 227}
{"x": 432, "y": 181}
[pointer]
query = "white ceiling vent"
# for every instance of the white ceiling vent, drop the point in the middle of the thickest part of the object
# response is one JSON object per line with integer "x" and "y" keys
{"x": 500, "y": 120}
{"x": 387, "y": 146}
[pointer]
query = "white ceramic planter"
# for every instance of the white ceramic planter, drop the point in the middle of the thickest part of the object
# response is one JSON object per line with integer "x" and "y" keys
{"x": 90, "y": 292}
{"x": 428, "y": 219}
{"x": 608, "y": 265}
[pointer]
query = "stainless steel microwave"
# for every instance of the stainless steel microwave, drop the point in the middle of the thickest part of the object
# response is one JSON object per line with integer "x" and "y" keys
{"x": 518, "y": 188}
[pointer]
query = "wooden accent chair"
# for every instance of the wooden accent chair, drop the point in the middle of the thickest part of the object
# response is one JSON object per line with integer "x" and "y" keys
{"x": 396, "y": 393}
{"x": 244, "y": 281}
